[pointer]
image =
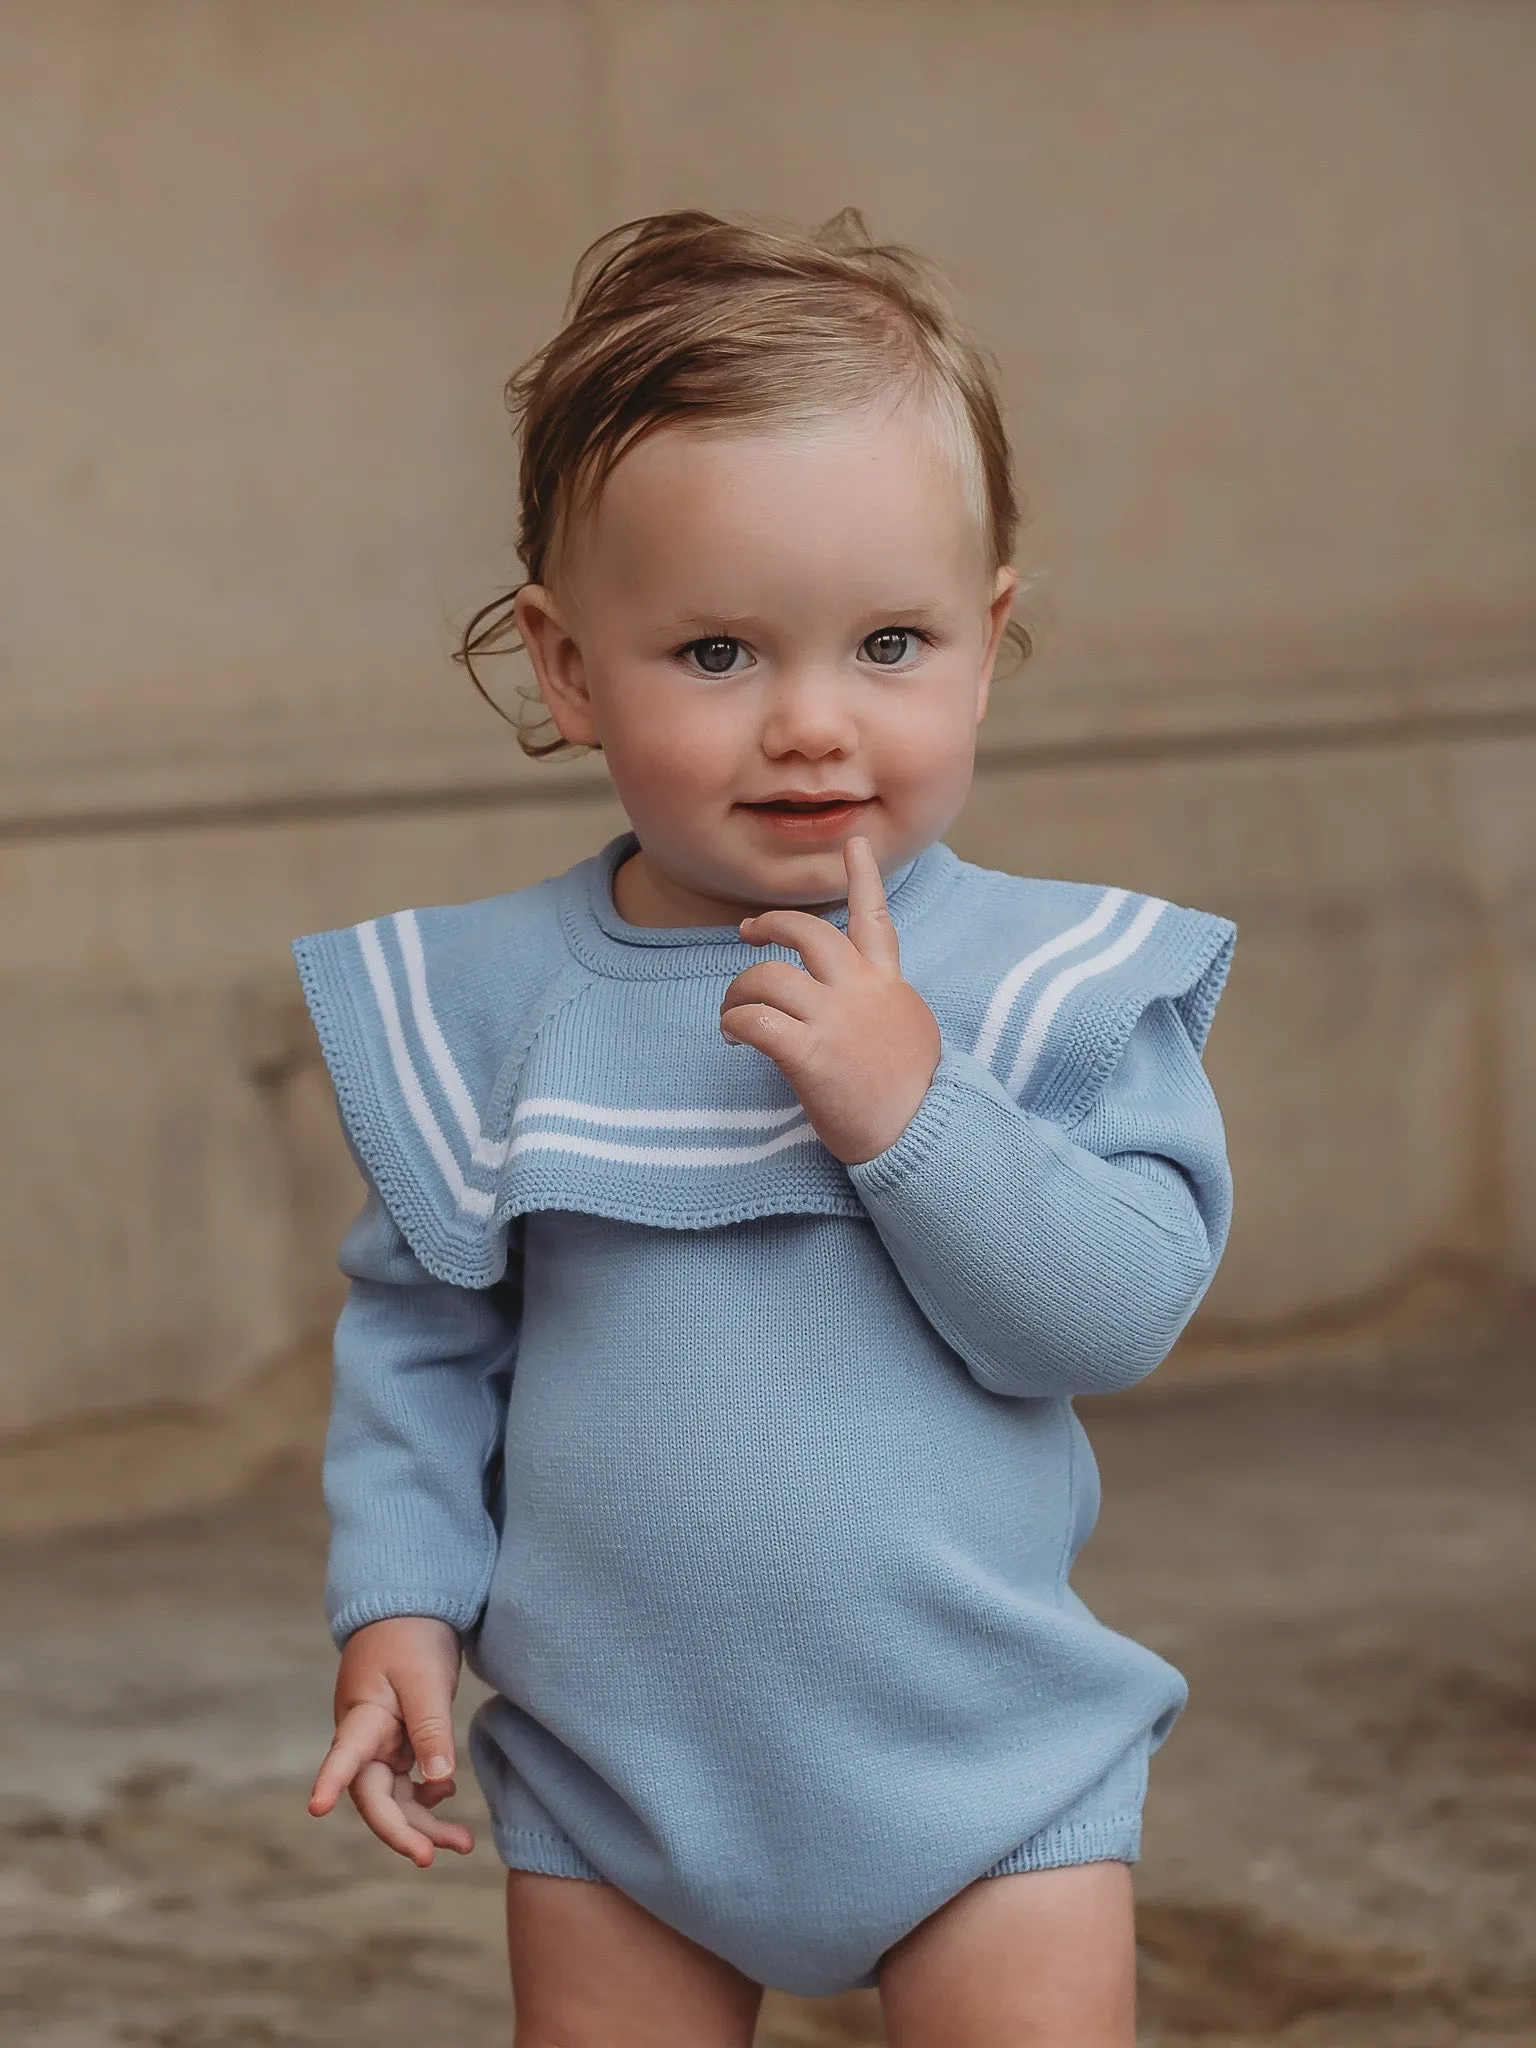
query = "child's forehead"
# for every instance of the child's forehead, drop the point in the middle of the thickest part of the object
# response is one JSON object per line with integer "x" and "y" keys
{"x": 897, "y": 430}
{"x": 855, "y": 482}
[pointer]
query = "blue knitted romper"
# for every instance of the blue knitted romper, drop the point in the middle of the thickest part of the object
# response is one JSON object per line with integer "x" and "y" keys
{"x": 751, "y": 1480}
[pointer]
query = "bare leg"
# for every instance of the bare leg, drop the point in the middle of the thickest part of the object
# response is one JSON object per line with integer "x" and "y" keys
{"x": 593, "y": 1969}
{"x": 1038, "y": 1959}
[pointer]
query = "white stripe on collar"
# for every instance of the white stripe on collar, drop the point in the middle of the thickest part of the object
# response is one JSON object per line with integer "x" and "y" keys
{"x": 1055, "y": 993}
{"x": 1003, "y": 996}
{"x": 471, "y": 1200}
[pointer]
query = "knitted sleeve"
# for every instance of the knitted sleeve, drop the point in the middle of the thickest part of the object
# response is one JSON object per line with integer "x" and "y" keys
{"x": 1059, "y": 1260}
{"x": 413, "y": 1450}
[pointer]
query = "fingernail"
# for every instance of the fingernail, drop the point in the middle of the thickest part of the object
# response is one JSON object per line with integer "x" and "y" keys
{"x": 439, "y": 1767}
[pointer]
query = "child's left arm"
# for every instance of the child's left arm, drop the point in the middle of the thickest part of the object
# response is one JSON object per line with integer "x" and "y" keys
{"x": 1052, "y": 1262}
{"x": 1059, "y": 1263}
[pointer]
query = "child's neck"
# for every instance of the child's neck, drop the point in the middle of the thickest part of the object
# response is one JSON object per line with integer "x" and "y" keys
{"x": 643, "y": 895}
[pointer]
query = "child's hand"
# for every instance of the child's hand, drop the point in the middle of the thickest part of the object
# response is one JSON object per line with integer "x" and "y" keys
{"x": 394, "y": 1706}
{"x": 856, "y": 1043}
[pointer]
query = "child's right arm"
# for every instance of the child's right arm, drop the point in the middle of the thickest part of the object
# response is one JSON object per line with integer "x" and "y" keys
{"x": 418, "y": 1409}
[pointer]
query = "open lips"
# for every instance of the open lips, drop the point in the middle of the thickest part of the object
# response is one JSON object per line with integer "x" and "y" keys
{"x": 809, "y": 817}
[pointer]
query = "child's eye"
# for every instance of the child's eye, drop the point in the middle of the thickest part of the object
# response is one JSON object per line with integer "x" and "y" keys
{"x": 891, "y": 646}
{"x": 716, "y": 656}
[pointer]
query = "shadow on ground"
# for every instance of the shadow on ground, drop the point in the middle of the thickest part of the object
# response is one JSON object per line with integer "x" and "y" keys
{"x": 1341, "y": 1833}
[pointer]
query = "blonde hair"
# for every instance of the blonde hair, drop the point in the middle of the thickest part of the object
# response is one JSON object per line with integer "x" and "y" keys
{"x": 687, "y": 319}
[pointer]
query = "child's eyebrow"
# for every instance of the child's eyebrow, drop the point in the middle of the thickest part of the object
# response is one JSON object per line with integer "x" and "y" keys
{"x": 925, "y": 612}
{"x": 922, "y": 612}
{"x": 722, "y": 623}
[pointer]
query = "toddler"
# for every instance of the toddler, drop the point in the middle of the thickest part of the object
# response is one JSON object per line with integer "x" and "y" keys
{"x": 745, "y": 1207}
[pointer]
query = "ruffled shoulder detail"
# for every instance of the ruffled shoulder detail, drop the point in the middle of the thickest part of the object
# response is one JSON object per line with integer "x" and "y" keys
{"x": 1044, "y": 982}
{"x": 424, "y": 1018}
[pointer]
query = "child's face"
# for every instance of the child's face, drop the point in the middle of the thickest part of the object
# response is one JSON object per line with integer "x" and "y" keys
{"x": 750, "y": 615}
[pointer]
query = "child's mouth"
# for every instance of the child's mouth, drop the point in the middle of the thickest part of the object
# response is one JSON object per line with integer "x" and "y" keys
{"x": 808, "y": 820}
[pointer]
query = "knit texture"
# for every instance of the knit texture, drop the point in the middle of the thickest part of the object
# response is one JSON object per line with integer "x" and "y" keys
{"x": 750, "y": 1479}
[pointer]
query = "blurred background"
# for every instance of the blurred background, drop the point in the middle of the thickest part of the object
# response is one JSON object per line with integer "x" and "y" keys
{"x": 1261, "y": 279}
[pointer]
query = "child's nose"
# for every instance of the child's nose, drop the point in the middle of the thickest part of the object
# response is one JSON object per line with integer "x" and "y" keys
{"x": 809, "y": 713}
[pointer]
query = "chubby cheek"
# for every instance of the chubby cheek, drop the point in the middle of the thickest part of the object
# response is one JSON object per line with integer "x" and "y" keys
{"x": 663, "y": 743}
{"x": 925, "y": 761}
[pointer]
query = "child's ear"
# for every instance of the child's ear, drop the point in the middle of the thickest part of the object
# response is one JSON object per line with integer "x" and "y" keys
{"x": 558, "y": 665}
{"x": 1004, "y": 589}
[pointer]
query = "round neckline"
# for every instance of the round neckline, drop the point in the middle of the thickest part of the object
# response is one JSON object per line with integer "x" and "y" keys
{"x": 604, "y": 939}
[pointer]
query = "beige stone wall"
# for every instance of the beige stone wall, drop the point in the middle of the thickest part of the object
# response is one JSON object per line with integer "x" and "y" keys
{"x": 1261, "y": 282}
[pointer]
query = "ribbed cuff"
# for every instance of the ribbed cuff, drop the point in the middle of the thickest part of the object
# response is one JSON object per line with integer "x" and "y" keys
{"x": 929, "y": 1122}
{"x": 552, "y": 1855}
{"x": 370, "y": 1607}
{"x": 1115, "y": 1839}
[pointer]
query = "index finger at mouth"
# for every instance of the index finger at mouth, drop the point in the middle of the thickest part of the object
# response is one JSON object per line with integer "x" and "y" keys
{"x": 869, "y": 917}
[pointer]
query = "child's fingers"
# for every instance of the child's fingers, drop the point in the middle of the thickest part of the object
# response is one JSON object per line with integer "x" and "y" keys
{"x": 869, "y": 919}
{"x": 445, "y": 1833}
{"x": 784, "y": 1039}
{"x": 426, "y": 1701}
{"x": 826, "y": 952}
{"x": 365, "y": 1732}
{"x": 373, "y": 1794}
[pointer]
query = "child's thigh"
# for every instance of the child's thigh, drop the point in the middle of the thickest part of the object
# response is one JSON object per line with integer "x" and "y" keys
{"x": 593, "y": 1969}
{"x": 1037, "y": 1959}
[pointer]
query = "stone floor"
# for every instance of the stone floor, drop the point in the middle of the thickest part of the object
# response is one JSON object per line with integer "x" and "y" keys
{"x": 1341, "y": 1832}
